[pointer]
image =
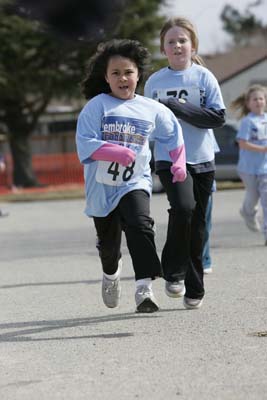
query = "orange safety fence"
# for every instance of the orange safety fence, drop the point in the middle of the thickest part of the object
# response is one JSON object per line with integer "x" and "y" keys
{"x": 49, "y": 169}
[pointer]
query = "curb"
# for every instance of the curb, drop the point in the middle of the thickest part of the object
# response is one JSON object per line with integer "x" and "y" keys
{"x": 76, "y": 192}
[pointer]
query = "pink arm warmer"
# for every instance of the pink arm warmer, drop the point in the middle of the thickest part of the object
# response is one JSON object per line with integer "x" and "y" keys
{"x": 178, "y": 168}
{"x": 114, "y": 152}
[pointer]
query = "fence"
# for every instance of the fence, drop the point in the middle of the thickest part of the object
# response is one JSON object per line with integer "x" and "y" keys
{"x": 54, "y": 161}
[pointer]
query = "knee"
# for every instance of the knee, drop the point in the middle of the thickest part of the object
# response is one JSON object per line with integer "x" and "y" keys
{"x": 140, "y": 223}
{"x": 184, "y": 208}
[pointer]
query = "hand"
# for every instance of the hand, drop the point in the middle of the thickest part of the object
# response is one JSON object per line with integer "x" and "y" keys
{"x": 126, "y": 156}
{"x": 178, "y": 168}
{"x": 114, "y": 153}
{"x": 179, "y": 174}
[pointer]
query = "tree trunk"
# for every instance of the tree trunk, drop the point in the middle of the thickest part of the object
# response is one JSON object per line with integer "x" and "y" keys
{"x": 23, "y": 174}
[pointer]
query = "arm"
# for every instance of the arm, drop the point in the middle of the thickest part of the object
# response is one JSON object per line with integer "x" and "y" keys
{"x": 178, "y": 168}
{"x": 201, "y": 117}
{"x": 115, "y": 153}
{"x": 244, "y": 144}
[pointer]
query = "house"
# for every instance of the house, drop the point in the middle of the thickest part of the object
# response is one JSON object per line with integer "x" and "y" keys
{"x": 238, "y": 69}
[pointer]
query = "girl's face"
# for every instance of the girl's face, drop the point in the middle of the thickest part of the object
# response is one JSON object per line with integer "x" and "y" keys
{"x": 122, "y": 76}
{"x": 257, "y": 102}
{"x": 178, "y": 48}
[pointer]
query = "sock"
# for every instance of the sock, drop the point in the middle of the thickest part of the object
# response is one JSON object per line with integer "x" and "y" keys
{"x": 144, "y": 282}
{"x": 115, "y": 276}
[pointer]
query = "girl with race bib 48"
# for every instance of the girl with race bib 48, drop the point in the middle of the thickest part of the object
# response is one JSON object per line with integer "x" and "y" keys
{"x": 113, "y": 132}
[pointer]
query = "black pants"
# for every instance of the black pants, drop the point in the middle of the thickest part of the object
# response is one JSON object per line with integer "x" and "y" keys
{"x": 182, "y": 252}
{"x": 132, "y": 215}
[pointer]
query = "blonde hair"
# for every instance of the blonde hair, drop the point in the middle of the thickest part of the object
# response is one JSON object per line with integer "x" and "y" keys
{"x": 240, "y": 103}
{"x": 185, "y": 24}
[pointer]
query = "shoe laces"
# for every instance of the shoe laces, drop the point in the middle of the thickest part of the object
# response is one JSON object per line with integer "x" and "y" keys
{"x": 110, "y": 285}
{"x": 144, "y": 290}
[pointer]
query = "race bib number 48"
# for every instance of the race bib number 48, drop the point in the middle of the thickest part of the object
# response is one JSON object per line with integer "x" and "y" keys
{"x": 114, "y": 174}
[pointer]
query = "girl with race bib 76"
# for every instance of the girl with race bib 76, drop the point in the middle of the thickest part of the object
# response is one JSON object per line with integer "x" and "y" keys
{"x": 192, "y": 92}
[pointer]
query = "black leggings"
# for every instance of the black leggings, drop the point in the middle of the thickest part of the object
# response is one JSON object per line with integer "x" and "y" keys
{"x": 132, "y": 215}
{"x": 182, "y": 252}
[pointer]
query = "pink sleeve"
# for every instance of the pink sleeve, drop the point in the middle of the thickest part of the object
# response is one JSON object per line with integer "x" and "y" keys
{"x": 178, "y": 168}
{"x": 114, "y": 153}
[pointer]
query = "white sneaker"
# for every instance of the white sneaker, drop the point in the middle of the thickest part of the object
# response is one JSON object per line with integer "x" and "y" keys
{"x": 207, "y": 270}
{"x": 251, "y": 222}
{"x": 174, "y": 289}
{"x": 145, "y": 300}
{"x": 192, "y": 304}
{"x": 111, "y": 290}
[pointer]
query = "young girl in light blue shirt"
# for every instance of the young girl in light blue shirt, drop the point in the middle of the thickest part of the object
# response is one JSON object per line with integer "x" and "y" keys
{"x": 113, "y": 133}
{"x": 252, "y": 163}
{"x": 192, "y": 92}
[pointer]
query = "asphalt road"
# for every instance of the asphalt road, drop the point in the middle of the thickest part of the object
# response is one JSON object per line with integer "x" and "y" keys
{"x": 58, "y": 341}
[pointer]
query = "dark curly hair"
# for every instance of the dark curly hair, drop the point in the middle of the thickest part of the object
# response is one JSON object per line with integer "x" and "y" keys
{"x": 94, "y": 82}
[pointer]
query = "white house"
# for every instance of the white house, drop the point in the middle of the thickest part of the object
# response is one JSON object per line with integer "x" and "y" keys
{"x": 238, "y": 69}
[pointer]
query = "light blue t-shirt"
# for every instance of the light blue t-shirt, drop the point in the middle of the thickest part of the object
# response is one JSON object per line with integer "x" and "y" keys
{"x": 253, "y": 129}
{"x": 199, "y": 86}
{"x": 129, "y": 123}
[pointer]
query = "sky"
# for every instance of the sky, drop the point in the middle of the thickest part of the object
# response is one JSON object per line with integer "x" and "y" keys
{"x": 205, "y": 15}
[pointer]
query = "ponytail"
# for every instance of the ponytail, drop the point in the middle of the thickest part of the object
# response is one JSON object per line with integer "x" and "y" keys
{"x": 198, "y": 60}
{"x": 240, "y": 103}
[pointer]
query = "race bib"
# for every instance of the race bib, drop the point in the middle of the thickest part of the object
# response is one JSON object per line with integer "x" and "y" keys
{"x": 262, "y": 131}
{"x": 191, "y": 94}
{"x": 114, "y": 174}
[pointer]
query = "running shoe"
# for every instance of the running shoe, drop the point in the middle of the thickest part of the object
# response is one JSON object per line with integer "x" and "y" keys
{"x": 251, "y": 222}
{"x": 111, "y": 290}
{"x": 174, "y": 289}
{"x": 192, "y": 304}
{"x": 145, "y": 300}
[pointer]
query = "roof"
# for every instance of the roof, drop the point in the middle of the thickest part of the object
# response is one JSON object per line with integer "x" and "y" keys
{"x": 227, "y": 65}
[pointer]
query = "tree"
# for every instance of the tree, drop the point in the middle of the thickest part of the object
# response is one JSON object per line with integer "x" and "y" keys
{"x": 141, "y": 22}
{"x": 245, "y": 29}
{"x": 34, "y": 69}
{"x": 38, "y": 65}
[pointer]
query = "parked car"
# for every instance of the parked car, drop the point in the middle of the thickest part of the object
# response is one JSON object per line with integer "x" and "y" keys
{"x": 226, "y": 160}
